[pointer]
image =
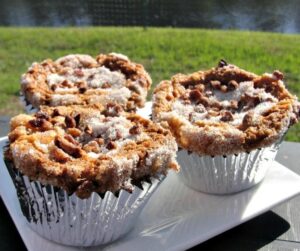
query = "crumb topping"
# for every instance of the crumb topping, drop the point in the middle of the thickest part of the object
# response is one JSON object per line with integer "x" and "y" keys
{"x": 238, "y": 106}
{"x": 81, "y": 79}
{"x": 105, "y": 146}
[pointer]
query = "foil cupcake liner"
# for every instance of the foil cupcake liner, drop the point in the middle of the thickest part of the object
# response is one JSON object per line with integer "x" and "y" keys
{"x": 27, "y": 106}
{"x": 69, "y": 220}
{"x": 225, "y": 174}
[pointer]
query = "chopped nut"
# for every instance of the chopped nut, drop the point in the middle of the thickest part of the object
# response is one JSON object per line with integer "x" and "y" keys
{"x": 222, "y": 63}
{"x": 70, "y": 122}
{"x": 106, "y": 85}
{"x": 232, "y": 85}
{"x": 226, "y": 116}
{"x": 200, "y": 87}
{"x": 66, "y": 83}
{"x": 251, "y": 101}
{"x": 135, "y": 130}
{"x": 55, "y": 113}
{"x": 195, "y": 95}
{"x": 82, "y": 90}
{"x": 77, "y": 119}
{"x": 67, "y": 147}
{"x": 277, "y": 74}
{"x": 71, "y": 139}
{"x": 113, "y": 110}
{"x": 111, "y": 145}
{"x": 42, "y": 115}
{"x": 233, "y": 104}
{"x": 248, "y": 119}
{"x": 42, "y": 124}
{"x": 213, "y": 113}
{"x": 88, "y": 129}
{"x": 82, "y": 87}
{"x": 223, "y": 88}
{"x": 92, "y": 146}
{"x": 215, "y": 84}
{"x": 74, "y": 132}
{"x": 100, "y": 141}
{"x": 54, "y": 87}
{"x": 59, "y": 155}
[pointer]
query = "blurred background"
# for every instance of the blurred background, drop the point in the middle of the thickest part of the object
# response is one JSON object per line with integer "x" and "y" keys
{"x": 264, "y": 15}
{"x": 166, "y": 36}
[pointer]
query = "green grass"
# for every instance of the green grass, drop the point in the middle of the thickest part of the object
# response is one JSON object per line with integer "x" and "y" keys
{"x": 163, "y": 52}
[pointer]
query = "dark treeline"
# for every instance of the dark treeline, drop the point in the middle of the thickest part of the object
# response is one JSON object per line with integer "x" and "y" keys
{"x": 267, "y": 15}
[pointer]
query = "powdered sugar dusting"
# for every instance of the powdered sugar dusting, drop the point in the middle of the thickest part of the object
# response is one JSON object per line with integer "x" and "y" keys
{"x": 191, "y": 112}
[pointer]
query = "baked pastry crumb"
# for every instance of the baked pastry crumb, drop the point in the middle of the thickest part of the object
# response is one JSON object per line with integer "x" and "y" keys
{"x": 225, "y": 110}
{"x": 79, "y": 79}
{"x": 90, "y": 149}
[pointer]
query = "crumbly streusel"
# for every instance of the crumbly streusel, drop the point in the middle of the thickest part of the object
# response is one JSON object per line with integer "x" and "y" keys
{"x": 81, "y": 79}
{"x": 90, "y": 149}
{"x": 225, "y": 110}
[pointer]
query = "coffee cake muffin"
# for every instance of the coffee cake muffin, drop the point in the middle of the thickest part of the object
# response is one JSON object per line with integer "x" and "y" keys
{"x": 224, "y": 119}
{"x": 97, "y": 161}
{"x": 81, "y": 80}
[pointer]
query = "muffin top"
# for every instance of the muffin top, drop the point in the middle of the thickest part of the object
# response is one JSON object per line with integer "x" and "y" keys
{"x": 81, "y": 79}
{"x": 225, "y": 110}
{"x": 90, "y": 149}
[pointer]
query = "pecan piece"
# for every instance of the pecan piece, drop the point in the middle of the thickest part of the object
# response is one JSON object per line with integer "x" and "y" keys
{"x": 248, "y": 119}
{"x": 66, "y": 83}
{"x": 77, "y": 119}
{"x": 59, "y": 155}
{"x": 100, "y": 141}
{"x": 112, "y": 110}
{"x": 75, "y": 132}
{"x": 92, "y": 146}
{"x": 42, "y": 115}
{"x": 195, "y": 95}
{"x": 70, "y": 122}
{"x": 215, "y": 84}
{"x": 111, "y": 145}
{"x": 67, "y": 147}
{"x": 251, "y": 101}
{"x": 277, "y": 74}
{"x": 223, "y": 88}
{"x": 106, "y": 85}
{"x": 71, "y": 139}
{"x": 56, "y": 113}
{"x": 41, "y": 124}
{"x": 233, "y": 104}
{"x": 82, "y": 87}
{"x": 135, "y": 130}
{"x": 88, "y": 129}
{"x": 226, "y": 116}
{"x": 232, "y": 85}
{"x": 36, "y": 122}
{"x": 54, "y": 87}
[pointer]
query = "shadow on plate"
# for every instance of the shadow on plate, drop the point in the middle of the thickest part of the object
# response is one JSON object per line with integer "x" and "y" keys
{"x": 251, "y": 235}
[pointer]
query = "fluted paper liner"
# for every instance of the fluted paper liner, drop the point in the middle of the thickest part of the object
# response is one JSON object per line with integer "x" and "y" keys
{"x": 69, "y": 220}
{"x": 225, "y": 174}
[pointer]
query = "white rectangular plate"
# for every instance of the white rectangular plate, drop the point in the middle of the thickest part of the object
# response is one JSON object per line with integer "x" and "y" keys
{"x": 176, "y": 217}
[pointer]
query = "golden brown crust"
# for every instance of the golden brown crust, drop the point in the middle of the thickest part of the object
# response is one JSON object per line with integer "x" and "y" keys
{"x": 84, "y": 150}
{"x": 81, "y": 79}
{"x": 225, "y": 110}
